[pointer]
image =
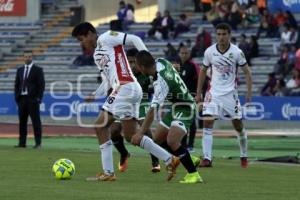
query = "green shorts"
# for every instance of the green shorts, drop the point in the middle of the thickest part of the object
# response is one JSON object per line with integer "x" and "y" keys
{"x": 183, "y": 114}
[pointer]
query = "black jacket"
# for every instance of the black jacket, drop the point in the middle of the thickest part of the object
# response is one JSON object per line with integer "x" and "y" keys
{"x": 35, "y": 83}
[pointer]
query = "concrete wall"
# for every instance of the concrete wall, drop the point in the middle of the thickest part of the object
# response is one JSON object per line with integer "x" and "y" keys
{"x": 33, "y": 13}
{"x": 102, "y": 11}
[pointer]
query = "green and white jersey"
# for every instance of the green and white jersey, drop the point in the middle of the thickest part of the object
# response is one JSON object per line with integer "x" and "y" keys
{"x": 168, "y": 83}
{"x": 144, "y": 82}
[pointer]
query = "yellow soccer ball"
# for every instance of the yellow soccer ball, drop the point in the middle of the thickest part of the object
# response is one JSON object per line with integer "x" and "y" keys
{"x": 63, "y": 169}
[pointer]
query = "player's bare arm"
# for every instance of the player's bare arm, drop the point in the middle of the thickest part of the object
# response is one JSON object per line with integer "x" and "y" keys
{"x": 201, "y": 79}
{"x": 248, "y": 77}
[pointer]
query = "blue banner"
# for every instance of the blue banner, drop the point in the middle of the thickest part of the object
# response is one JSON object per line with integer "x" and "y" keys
{"x": 65, "y": 107}
{"x": 291, "y": 5}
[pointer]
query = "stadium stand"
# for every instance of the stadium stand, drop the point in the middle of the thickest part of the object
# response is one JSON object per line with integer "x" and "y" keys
{"x": 55, "y": 50}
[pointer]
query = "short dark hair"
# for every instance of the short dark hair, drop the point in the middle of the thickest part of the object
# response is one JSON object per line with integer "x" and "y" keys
{"x": 28, "y": 51}
{"x": 145, "y": 59}
{"x": 132, "y": 52}
{"x": 224, "y": 26}
{"x": 83, "y": 29}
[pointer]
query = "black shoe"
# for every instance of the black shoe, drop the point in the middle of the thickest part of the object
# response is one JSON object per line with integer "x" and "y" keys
{"x": 20, "y": 146}
{"x": 37, "y": 146}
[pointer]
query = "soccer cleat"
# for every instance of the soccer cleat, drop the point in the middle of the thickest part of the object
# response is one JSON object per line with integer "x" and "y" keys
{"x": 244, "y": 162}
{"x": 192, "y": 178}
{"x": 195, "y": 160}
{"x": 155, "y": 167}
{"x": 102, "y": 177}
{"x": 171, "y": 168}
{"x": 205, "y": 163}
{"x": 123, "y": 164}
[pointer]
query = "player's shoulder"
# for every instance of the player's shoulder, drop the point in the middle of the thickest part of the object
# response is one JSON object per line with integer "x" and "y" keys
{"x": 211, "y": 48}
{"x": 160, "y": 64}
{"x": 235, "y": 48}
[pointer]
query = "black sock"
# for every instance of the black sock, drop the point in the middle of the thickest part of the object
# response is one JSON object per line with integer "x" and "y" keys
{"x": 185, "y": 159}
{"x": 119, "y": 144}
{"x": 154, "y": 160}
{"x": 166, "y": 147}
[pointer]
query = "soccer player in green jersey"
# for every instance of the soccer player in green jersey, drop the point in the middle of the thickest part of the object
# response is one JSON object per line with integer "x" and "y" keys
{"x": 172, "y": 127}
{"x": 116, "y": 127}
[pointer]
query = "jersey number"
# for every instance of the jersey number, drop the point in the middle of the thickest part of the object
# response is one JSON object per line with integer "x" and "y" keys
{"x": 181, "y": 83}
{"x": 110, "y": 100}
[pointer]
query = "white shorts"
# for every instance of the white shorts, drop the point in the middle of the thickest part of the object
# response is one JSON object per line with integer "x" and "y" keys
{"x": 224, "y": 106}
{"x": 124, "y": 102}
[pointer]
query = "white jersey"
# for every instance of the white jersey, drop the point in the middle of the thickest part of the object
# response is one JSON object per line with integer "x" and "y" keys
{"x": 223, "y": 68}
{"x": 111, "y": 59}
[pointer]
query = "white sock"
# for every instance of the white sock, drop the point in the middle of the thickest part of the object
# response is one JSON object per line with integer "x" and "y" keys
{"x": 207, "y": 141}
{"x": 148, "y": 144}
{"x": 242, "y": 139}
{"x": 107, "y": 157}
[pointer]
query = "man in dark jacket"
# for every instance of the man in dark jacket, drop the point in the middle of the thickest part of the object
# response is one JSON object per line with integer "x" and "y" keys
{"x": 29, "y": 89}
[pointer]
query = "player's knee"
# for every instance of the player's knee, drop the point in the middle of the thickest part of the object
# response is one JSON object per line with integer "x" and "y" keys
{"x": 208, "y": 123}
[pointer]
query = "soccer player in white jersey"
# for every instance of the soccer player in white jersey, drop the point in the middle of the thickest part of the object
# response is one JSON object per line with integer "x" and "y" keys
{"x": 221, "y": 100}
{"x": 123, "y": 102}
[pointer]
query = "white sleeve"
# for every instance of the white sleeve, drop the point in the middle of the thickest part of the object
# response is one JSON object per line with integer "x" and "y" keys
{"x": 241, "y": 58}
{"x": 113, "y": 38}
{"x": 161, "y": 90}
{"x": 136, "y": 41}
{"x": 103, "y": 87}
{"x": 206, "y": 59}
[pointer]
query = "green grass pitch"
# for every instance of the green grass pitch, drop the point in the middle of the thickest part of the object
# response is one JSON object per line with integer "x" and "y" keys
{"x": 25, "y": 174}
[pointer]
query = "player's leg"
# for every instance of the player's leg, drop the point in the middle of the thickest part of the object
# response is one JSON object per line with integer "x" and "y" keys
{"x": 233, "y": 108}
{"x": 192, "y": 134}
{"x": 175, "y": 124}
{"x": 207, "y": 141}
{"x": 210, "y": 111}
{"x": 129, "y": 129}
{"x": 176, "y": 133}
{"x": 154, "y": 160}
{"x": 102, "y": 124}
{"x": 242, "y": 140}
{"x": 118, "y": 141}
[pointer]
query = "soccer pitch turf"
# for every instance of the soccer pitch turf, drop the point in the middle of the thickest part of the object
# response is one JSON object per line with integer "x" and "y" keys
{"x": 25, "y": 174}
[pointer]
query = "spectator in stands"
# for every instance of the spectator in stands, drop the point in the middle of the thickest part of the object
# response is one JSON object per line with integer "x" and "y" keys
{"x": 167, "y": 25}
{"x": 235, "y": 15}
{"x": 252, "y": 14}
{"x": 203, "y": 41}
{"x": 29, "y": 89}
{"x": 286, "y": 62}
{"x": 121, "y": 14}
{"x": 290, "y": 19}
{"x": 222, "y": 8}
{"x": 118, "y": 25}
{"x": 254, "y": 47}
{"x": 129, "y": 18}
{"x": 294, "y": 36}
{"x": 280, "y": 18}
{"x": 189, "y": 74}
{"x": 170, "y": 52}
{"x": 280, "y": 89}
{"x": 155, "y": 24}
{"x": 206, "y": 6}
{"x": 245, "y": 47}
{"x": 268, "y": 25}
{"x": 86, "y": 58}
{"x": 261, "y": 5}
{"x": 269, "y": 87}
{"x": 297, "y": 61}
{"x": 293, "y": 85}
{"x": 285, "y": 35}
{"x": 183, "y": 25}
